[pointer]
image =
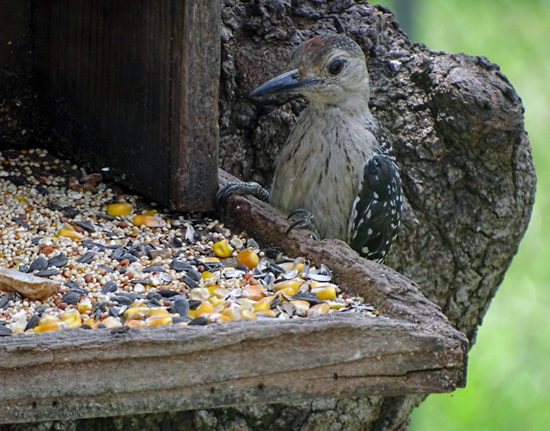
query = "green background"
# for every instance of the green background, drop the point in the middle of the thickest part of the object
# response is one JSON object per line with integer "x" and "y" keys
{"x": 509, "y": 366}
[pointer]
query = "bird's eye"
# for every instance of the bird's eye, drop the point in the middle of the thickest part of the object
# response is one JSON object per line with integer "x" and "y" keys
{"x": 336, "y": 67}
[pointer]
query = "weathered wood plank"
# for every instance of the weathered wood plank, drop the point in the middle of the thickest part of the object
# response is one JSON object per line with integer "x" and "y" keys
{"x": 133, "y": 87}
{"x": 410, "y": 348}
{"x": 72, "y": 373}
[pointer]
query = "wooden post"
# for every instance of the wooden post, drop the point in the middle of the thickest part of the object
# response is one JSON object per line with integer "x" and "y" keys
{"x": 133, "y": 86}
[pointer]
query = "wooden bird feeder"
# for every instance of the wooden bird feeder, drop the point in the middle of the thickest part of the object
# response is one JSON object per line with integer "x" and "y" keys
{"x": 135, "y": 88}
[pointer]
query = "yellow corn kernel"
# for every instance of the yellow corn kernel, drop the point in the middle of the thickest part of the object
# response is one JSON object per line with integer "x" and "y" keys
{"x": 261, "y": 305}
{"x": 207, "y": 274}
{"x": 232, "y": 312}
{"x": 266, "y": 313}
{"x": 200, "y": 293}
{"x": 248, "y": 315}
{"x": 158, "y": 311}
{"x": 220, "y": 292}
{"x": 248, "y": 258}
{"x": 223, "y": 249}
{"x": 119, "y": 209}
{"x": 20, "y": 199}
{"x": 294, "y": 284}
{"x": 218, "y": 318}
{"x": 111, "y": 322}
{"x": 216, "y": 302}
{"x": 325, "y": 293}
{"x": 288, "y": 291}
{"x": 150, "y": 213}
{"x": 91, "y": 323}
{"x": 318, "y": 309}
{"x": 49, "y": 327}
{"x": 72, "y": 318}
{"x": 132, "y": 323}
{"x": 135, "y": 313}
{"x": 151, "y": 322}
{"x": 48, "y": 319}
{"x": 68, "y": 232}
{"x": 191, "y": 314}
{"x": 254, "y": 291}
{"x": 300, "y": 306}
{"x": 49, "y": 324}
{"x": 209, "y": 260}
{"x": 84, "y": 306}
{"x": 149, "y": 221}
{"x": 205, "y": 307}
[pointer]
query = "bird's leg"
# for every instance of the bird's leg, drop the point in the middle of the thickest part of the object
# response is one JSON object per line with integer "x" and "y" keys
{"x": 240, "y": 188}
{"x": 304, "y": 221}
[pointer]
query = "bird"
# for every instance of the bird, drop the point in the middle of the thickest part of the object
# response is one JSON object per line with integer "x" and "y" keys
{"x": 337, "y": 170}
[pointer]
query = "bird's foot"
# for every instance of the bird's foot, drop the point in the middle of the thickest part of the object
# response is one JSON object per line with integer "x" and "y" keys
{"x": 240, "y": 188}
{"x": 305, "y": 220}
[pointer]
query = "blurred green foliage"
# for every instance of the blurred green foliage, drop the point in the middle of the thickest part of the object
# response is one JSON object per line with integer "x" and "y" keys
{"x": 509, "y": 366}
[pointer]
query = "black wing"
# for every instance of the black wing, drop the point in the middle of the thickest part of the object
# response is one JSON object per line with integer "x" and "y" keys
{"x": 376, "y": 211}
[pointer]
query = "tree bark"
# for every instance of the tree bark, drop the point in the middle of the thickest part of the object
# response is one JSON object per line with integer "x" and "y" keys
{"x": 460, "y": 144}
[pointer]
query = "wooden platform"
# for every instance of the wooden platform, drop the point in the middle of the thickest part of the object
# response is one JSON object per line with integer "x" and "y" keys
{"x": 78, "y": 373}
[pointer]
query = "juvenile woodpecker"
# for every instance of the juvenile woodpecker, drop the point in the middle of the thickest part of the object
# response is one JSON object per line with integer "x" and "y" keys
{"x": 337, "y": 169}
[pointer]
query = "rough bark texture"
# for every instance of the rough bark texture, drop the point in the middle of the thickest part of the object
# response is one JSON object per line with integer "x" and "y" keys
{"x": 460, "y": 144}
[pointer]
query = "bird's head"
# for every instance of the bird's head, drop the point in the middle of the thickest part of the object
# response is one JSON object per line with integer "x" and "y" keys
{"x": 327, "y": 69}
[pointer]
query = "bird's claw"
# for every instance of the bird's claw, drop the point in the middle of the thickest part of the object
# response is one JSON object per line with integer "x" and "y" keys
{"x": 305, "y": 221}
{"x": 240, "y": 188}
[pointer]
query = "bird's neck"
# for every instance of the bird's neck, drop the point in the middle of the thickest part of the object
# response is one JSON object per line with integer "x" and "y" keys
{"x": 354, "y": 108}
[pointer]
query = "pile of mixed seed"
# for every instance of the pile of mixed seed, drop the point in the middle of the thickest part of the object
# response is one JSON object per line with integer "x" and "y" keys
{"x": 118, "y": 261}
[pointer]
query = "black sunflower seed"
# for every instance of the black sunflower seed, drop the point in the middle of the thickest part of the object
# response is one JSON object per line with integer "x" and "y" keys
{"x": 59, "y": 260}
{"x": 154, "y": 268}
{"x": 86, "y": 225}
{"x": 178, "y": 265}
{"x": 33, "y": 321}
{"x": 181, "y": 306}
{"x": 110, "y": 286}
{"x": 38, "y": 264}
{"x": 47, "y": 272}
{"x": 71, "y": 297}
{"x": 199, "y": 321}
{"x": 86, "y": 257}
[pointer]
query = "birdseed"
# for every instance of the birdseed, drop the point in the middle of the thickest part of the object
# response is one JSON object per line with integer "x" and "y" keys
{"x": 122, "y": 262}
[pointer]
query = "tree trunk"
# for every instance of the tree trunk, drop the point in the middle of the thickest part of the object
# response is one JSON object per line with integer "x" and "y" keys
{"x": 460, "y": 144}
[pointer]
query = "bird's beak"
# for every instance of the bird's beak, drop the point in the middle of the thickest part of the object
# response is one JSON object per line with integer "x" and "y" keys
{"x": 289, "y": 82}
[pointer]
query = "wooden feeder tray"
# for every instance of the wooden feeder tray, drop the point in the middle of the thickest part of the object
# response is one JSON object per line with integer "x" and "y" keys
{"x": 78, "y": 373}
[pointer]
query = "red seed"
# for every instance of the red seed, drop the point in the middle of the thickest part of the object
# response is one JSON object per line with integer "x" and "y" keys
{"x": 62, "y": 305}
{"x": 129, "y": 275}
{"x": 122, "y": 225}
{"x": 88, "y": 278}
{"x": 47, "y": 249}
{"x": 102, "y": 271}
{"x": 124, "y": 262}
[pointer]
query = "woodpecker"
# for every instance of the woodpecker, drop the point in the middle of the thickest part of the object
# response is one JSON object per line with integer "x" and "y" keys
{"x": 337, "y": 170}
